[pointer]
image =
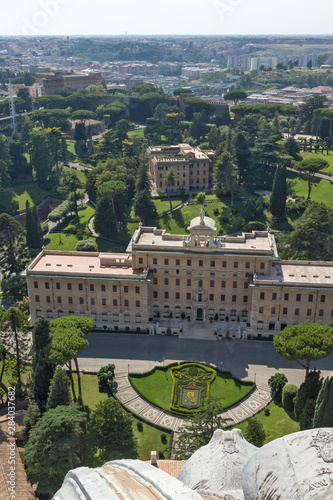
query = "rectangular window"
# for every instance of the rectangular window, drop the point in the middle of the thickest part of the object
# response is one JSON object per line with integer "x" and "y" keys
{"x": 103, "y": 302}
{"x": 223, "y": 284}
{"x": 245, "y": 298}
{"x": 102, "y": 288}
{"x": 261, "y": 310}
{"x": 37, "y": 298}
{"x": 321, "y": 312}
{"x": 69, "y": 286}
{"x": 59, "y": 300}
{"x": 310, "y": 297}
{"x": 126, "y": 303}
{"x": 166, "y": 281}
{"x": 92, "y": 301}
{"x": 262, "y": 295}
{"x": 234, "y": 298}
{"x": 48, "y": 299}
{"x": 211, "y": 283}
{"x": 262, "y": 265}
{"x": 166, "y": 295}
{"x": 58, "y": 286}
{"x": 166, "y": 262}
{"x": 297, "y": 311}
{"x": 177, "y": 295}
{"x": 322, "y": 298}
{"x": 154, "y": 261}
{"x": 286, "y": 296}
{"x": 47, "y": 285}
{"x": 274, "y": 296}
{"x": 92, "y": 288}
{"x": 177, "y": 262}
{"x": 80, "y": 287}
{"x": 115, "y": 302}
{"x": 177, "y": 281}
{"x": 246, "y": 284}
{"x": 272, "y": 310}
{"x": 114, "y": 288}
{"x": 137, "y": 303}
{"x": 308, "y": 312}
{"x": 234, "y": 284}
{"x": 236, "y": 265}
{"x": 188, "y": 296}
{"x": 70, "y": 300}
{"x": 298, "y": 297}
{"x": 155, "y": 281}
{"x": 126, "y": 288}
{"x": 222, "y": 298}
{"x": 285, "y": 310}
{"x": 247, "y": 265}
{"x": 81, "y": 300}
{"x": 224, "y": 263}
{"x": 211, "y": 296}
{"x": 35, "y": 284}
{"x": 137, "y": 289}
{"x": 140, "y": 260}
{"x": 189, "y": 262}
{"x": 200, "y": 263}
{"x": 188, "y": 282}
{"x": 212, "y": 263}
{"x": 155, "y": 295}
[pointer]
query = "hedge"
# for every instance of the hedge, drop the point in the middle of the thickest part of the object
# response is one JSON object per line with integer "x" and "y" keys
{"x": 288, "y": 393}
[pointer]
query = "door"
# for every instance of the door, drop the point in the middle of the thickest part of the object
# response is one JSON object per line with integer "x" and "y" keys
{"x": 199, "y": 313}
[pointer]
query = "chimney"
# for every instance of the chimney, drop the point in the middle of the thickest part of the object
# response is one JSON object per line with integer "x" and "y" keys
{"x": 153, "y": 460}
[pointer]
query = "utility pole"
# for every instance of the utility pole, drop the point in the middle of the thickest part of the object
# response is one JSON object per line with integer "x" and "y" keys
{"x": 12, "y": 107}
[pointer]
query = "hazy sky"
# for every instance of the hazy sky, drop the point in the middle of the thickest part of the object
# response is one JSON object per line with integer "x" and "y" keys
{"x": 182, "y": 17}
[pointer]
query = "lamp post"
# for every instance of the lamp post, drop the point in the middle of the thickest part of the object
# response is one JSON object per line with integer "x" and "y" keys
{"x": 255, "y": 376}
{"x": 127, "y": 368}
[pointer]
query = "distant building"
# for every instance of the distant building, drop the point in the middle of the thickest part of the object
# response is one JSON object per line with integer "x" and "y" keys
{"x": 56, "y": 81}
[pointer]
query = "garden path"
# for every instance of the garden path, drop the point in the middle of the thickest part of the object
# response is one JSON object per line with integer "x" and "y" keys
{"x": 131, "y": 399}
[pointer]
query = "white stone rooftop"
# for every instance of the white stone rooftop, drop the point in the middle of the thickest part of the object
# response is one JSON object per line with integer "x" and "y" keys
{"x": 300, "y": 273}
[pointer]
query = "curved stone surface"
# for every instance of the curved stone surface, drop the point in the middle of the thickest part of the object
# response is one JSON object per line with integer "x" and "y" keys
{"x": 216, "y": 468}
{"x": 298, "y": 466}
{"x": 120, "y": 479}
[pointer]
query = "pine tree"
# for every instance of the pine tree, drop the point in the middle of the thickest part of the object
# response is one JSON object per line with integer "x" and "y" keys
{"x": 42, "y": 369}
{"x": 255, "y": 432}
{"x": 143, "y": 204}
{"x": 323, "y": 414}
{"x": 34, "y": 233}
{"x": 59, "y": 390}
{"x": 105, "y": 223}
{"x": 279, "y": 192}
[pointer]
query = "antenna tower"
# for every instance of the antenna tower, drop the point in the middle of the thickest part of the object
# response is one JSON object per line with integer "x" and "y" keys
{"x": 12, "y": 107}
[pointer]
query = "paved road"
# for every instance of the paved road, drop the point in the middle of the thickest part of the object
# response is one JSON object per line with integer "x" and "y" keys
{"x": 253, "y": 360}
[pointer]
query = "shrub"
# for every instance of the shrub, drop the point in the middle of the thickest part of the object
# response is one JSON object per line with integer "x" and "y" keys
{"x": 267, "y": 412}
{"x": 168, "y": 332}
{"x": 86, "y": 246}
{"x": 255, "y": 432}
{"x": 139, "y": 426}
{"x": 277, "y": 383}
{"x": 105, "y": 376}
{"x": 164, "y": 438}
{"x": 288, "y": 393}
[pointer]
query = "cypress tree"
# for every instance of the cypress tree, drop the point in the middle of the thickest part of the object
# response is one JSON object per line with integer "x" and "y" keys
{"x": 279, "y": 192}
{"x": 143, "y": 203}
{"x": 59, "y": 390}
{"x": 34, "y": 233}
{"x": 42, "y": 369}
{"x": 323, "y": 414}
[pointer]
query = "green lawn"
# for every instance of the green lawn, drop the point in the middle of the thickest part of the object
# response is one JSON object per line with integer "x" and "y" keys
{"x": 139, "y": 132}
{"x": 23, "y": 190}
{"x": 279, "y": 423}
{"x": 147, "y": 440}
{"x": 157, "y": 387}
{"x": 329, "y": 159}
{"x": 68, "y": 242}
{"x": 321, "y": 188}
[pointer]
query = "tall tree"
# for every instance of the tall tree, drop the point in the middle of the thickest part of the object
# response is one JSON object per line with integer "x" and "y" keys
{"x": 42, "y": 369}
{"x": 143, "y": 205}
{"x": 279, "y": 192}
{"x": 304, "y": 343}
{"x": 254, "y": 432}
{"x": 323, "y": 414}
{"x": 170, "y": 181}
{"x": 57, "y": 145}
{"x": 53, "y": 447}
{"x": 225, "y": 178}
{"x": 70, "y": 183}
{"x": 59, "y": 394}
{"x": 310, "y": 166}
{"x": 112, "y": 190}
{"x": 10, "y": 244}
{"x": 14, "y": 335}
{"x": 40, "y": 153}
{"x": 242, "y": 154}
{"x": 235, "y": 96}
{"x": 305, "y": 400}
{"x": 34, "y": 232}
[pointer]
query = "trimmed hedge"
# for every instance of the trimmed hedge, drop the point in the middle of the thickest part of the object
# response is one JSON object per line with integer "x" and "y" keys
{"x": 288, "y": 393}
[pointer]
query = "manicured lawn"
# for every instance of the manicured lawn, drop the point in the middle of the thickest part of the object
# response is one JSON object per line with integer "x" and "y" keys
{"x": 279, "y": 423}
{"x": 157, "y": 387}
{"x": 68, "y": 242}
{"x": 23, "y": 190}
{"x": 321, "y": 191}
{"x": 147, "y": 440}
{"x": 329, "y": 159}
{"x": 139, "y": 132}
{"x": 25, "y": 372}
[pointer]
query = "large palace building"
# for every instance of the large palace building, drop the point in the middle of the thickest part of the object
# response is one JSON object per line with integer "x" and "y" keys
{"x": 235, "y": 280}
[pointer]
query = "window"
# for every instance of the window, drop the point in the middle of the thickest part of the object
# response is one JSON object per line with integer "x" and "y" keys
{"x": 140, "y": 260}
{"x": 81, "y": 300}
{"x": 59, "y": 300}
{"x": 246, "y": 284}
{"x": 188, "y": 296}
{"x": 321, "y": 312}
{"x": 200, "y": 283}
{"x": 211, "y": 296}
{"x": 261, "y": 310}
{"x": 92, "y": 301}
{"x": 244, "y": 314}
{"x": 236, "y": 265}
{"x": 188, "y": 282}
{"x": 103, "y": 288}
{"x": 103, "y": 302}
{"x": 272, "y": 310}
{"x": 285, "y": 310}
{"x": 70, "y": 300}
{"x": 37, "y": 298}
{"x": 126, "y": 303}
{"x": 189, "y": 262}
{"x": 262, "y": 265}
{"x": 48, "y": 299}
{"x": 80, "y": 287}
{"x": 286, "y": 296}
{"x": 166, "y": 262}
{"x": 58, "y": 286}
{"x": 233, "y": 313}
{"x": 126, "y": 288}
{"x": 155, "y": 295}
{"x": 127, "y": 318}
{"x": 92, "y": 288}
{"x": 166, "y": 295}
{"x": 222, "y": 298}
{"x": 212, "y": 263}
{"x": 247, "y": 265}
{"x": 223, "y": 284}
{"x": 212, "y": 283}
{"x": 137, "y": 289}
{"x": 234, "y": 298}
{"x": 308, "y": 312}
{"x": 200, "y": 263}
{"x": 271, "y": 326}
{"x": 298, "y": 297}
{"x": 115, "y": 302}
{"x": 35, "y": 284}
{"x": 114, "y": 288}
{"x": 177, "y": 281}
{"x": 260, "y": 325}
{"x": 310, "y": 297}
{"x": 137, "y": 303}
{"x": 234, "y": 284}
{"x": 245, "y": 298}
{"x": 166, "y": 281}
{"x": 224, "y": 263}
{"x": 177, "y": 262}
{"x": 274, "y": 295}
{"x": 69, "y": 286}
{"x": 155, "y": 281}
{"x": 154, "y": 261}
{"x": 177, "y": 295}
{"x": 297, "y": 311}
{"x": 262, "y": 295}
{"x": 322, "y": 298}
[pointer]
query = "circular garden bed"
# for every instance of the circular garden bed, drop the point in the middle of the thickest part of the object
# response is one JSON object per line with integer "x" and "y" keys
{"x": 183, "y": 388}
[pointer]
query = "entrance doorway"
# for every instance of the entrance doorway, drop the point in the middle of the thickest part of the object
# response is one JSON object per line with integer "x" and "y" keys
{"x": 199, "y": 313}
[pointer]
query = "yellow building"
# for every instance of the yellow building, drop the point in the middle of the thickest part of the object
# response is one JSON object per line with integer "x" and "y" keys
{"x": 236, "y": 280}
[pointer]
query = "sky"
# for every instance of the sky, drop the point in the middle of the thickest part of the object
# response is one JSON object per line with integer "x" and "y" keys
{"x": 172, "y": 17}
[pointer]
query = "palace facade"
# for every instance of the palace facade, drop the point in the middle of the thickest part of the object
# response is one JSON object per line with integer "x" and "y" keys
{"x": 200, "y": 276}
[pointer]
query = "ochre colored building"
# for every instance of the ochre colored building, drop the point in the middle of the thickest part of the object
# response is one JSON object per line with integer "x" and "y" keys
{"x": 234, "y": 280}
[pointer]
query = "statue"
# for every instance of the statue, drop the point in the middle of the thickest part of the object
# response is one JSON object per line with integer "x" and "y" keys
{"x": 202, "y": 216}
